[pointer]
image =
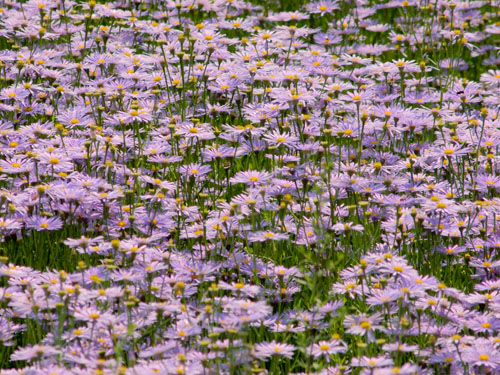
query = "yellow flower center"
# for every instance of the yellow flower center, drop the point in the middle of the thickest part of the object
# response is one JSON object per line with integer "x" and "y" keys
{"x": 365, "y": 325}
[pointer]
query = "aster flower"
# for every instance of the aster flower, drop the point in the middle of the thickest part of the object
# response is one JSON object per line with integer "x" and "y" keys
{"x": 55, "y": 161}
{"x": 139, "y": 115}
{"x": 363, "y": 325}
{"x": 372, "y": 362}
{"x": 249, "y": 290}
{"x": 482, "y": 354}
{"x": 74, "y": 117}
{"x": 406, "y": 66}
{"x": 452, "y": 250}
{"x": 17, "y": 164}
{"x": 486, "y": 262}
{"x": 40, "y": 223}
{"x": 224, "y": 85}
{"x": 276, "y": 138}
{"x": 251, "y": 178}
{"x": 326, "y": 348}
{"x": 306, "y": 236}
{"x": 200, "y": 132}
{"x": 195, "y": 170}
{"x": 267, "y": 349}
{"x": 14, "y": 93}
{"x": 33, "y": 352}
{"x": 322, "y": 7}
{"x": 8, "y": 224}
{"x": 487, "y": 181}
{"x": 215, "y": 152}
{"x": 292, "y": 96}
{"x": 355, "y": 97}
{"x": 262, "y": 236}
{"x": 100, "y": 60}
{"x": 492, "y": 77}
{"x": 406, "y": 369}
{"x": 327, "y": 39}
{"x": 484, "y": 323}
{"x": 347, "y": 227}
{"x": 435, "y": 203}
{"x": 381, "y": 297}
{"x": 349, "y": 287}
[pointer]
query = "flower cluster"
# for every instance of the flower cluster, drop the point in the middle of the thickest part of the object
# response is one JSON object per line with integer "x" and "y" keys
{"x": 235, "y": 187}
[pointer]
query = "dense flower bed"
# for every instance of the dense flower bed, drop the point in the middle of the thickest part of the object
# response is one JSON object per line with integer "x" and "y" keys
{"x": 233, "y": 187}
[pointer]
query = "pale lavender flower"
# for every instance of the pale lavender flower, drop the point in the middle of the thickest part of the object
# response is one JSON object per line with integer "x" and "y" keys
{"x": 267, "y": 349}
